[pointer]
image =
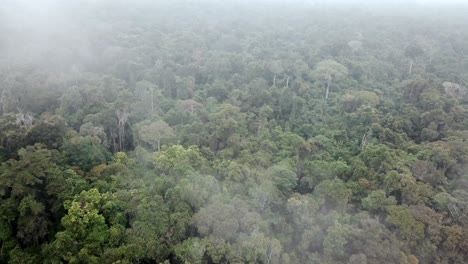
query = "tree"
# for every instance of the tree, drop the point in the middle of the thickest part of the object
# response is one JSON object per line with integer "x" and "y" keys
{"x": 284, "y": 179}
{"x": 95, "y": 132}
{"x": 122, "y": 116}
{"x": 150, "y": 235}
{"x": 7, "y": 101}
{"x": 409, "y": 228}
{"x": 189, "y": 105}
{"x": 352, "y": 101}
{"x": 32, "y": 192}
{"x": 191, "y": 250}
{"x": 263, "y": 196}
{"x": 226, "y": 219}
{"x": 12, "y": 137}
{"x": 195, "y": 190}
{"x": 148, "y": 94}
{"x": 456, "y": 208}
{"x": 317, "y": 171}
{"x": 218, "y": 219}
{"x": 257, "y": 247}
{"x": 335, "y": 193}
{"x": 224, "y": 123}
{"x": 48, "y": 130}
{"x": 85, "y": 152}
{"x": 334, "y": 244}
{"x": 177, "y": 161}
{"x": 413, "y": 51}
{"x": 454, "y": 90}
{"x": 154, "y": 132}
{"x": 377, "y": 201}
{"x": 328, "y": 71}
{"x": 86, "y": 233}
{"x": 426, "y": 172}
{"x": 25, "y": 194}
{"x": 276, "y": 67}
{"x": 24, "y": 119}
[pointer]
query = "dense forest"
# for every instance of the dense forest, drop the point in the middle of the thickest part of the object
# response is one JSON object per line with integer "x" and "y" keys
{"x": 233, "y": 132}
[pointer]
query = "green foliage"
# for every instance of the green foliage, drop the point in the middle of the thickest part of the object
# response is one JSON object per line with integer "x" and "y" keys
{"x": 178, "y": 161}
{"x": 329, "y": 69}
{"x": 48, "y": 130}
{"x": 317, "y": 171}
{"x": 153, "y": 133}
{"x": 284, "y": 179}
{"x": 191, "y": 250}
{"x": 162, "y": 132}
{"x": 86, "y": 232}
{"x": 409, "y": 228}
{"x": 150, "y": 235}
{"x": 334, "y": 244}
{"x": 377, "y": 201}
{"x": 84, "y": 153}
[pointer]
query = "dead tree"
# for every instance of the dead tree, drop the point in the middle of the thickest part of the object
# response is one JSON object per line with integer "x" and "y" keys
{"x": 122, "y": 116}
{"x": 24, "y": 119}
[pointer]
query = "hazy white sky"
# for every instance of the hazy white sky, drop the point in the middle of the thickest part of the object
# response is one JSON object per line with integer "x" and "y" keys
{"x": 442, "y": 1}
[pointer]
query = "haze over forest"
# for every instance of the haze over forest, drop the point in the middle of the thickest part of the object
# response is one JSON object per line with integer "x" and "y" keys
{"x": 234, "y": 131}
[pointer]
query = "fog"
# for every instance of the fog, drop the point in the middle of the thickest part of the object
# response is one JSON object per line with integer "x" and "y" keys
{"x": 66, "y": 29}
{"x": 239, "y": 131}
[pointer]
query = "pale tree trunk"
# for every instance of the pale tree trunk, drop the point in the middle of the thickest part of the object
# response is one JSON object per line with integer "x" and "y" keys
{"x": 159, "y": 142}
{"x": 121, "y": 136}
{"x": 328, "y": 87}
{"x": 365, "y": 139}
{"x": 152, "y": 101}
{"x": 114, "y": 147}
{"x": 271, "y": 253}
{"x": 287, "y": 82}
{"x": 410, "y": 66}
{"x": 123, "y": 118}
{"x": 274, "y": 80}
{"x": 300, "y": 169}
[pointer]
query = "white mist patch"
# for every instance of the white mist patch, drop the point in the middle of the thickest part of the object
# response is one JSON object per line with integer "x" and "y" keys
{"x": 41, "y": 32}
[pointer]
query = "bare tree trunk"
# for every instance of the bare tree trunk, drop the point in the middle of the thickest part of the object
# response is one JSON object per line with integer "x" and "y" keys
{"x": 287, "y": 82}
{"x": 274, "y": 80}
{"x": 123, "y": 118}
{"x": 152, "y": 101}
{"x": 271, "y": 253}
{"x": 121, "y": 135}
{"x": 159, "y": 142}
{"x": 120, "y": 141}
{"x": 113, "y": 140}
{"x": 299, "y": 169}
{"x": 328, "y": 88}
{"x": 410, "y": 66}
